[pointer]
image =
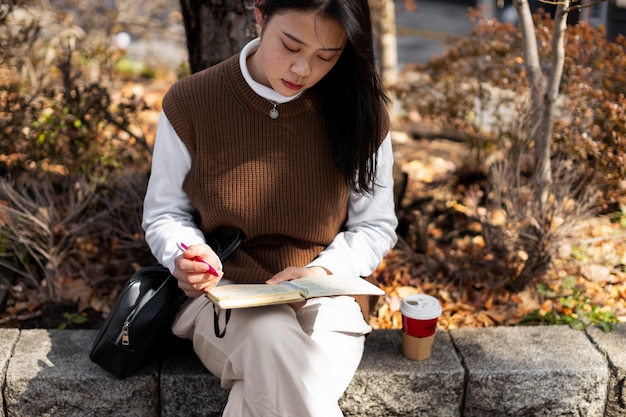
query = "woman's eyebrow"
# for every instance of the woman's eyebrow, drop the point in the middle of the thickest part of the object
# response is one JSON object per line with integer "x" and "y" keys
{"x": 301, "y": 42}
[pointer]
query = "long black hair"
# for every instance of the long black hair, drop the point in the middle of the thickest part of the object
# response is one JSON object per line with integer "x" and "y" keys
{"x": 353, "y": 100}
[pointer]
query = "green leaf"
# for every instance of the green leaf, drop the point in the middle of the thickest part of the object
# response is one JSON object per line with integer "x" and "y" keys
{"x": 579, "y": 254}
{"x": 577, "y": 324}
{"x": 545, "y": 290}
{"x": 75, "y": 318}
{"x": 606, "y": 326}
{"x": 567, "y": 302}
{"x": 569, "y": 283}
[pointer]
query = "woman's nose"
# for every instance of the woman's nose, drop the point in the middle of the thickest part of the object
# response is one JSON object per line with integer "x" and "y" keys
{"x": 301, "y": 68}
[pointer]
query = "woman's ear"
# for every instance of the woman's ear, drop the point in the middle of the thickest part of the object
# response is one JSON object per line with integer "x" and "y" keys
{"x": 260, "y": 19}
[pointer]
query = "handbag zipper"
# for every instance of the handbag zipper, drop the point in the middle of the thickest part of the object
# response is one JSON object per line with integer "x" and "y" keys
{"x": 124, "y": 335}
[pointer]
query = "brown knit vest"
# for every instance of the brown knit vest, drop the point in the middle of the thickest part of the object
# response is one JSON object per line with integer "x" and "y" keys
{"x": 273, "y": 178}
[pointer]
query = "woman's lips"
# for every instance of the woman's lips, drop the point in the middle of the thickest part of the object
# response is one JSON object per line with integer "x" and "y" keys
{"x": 292, "y": 86}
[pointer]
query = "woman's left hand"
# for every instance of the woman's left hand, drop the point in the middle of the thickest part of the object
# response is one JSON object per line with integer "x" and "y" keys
{"x": 294, "y": 272}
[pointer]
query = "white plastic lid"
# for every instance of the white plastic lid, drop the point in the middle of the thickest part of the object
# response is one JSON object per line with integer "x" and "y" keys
{"x": 420, "y": 306}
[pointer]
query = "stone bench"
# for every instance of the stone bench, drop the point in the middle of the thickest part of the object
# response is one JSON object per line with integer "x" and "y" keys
{"x": 505, "y": 371}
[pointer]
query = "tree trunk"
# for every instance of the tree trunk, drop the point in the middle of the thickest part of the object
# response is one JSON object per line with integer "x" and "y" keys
{"x": 544, "y": 90}
{"x": 388, "y": 50}
{"x": 536, "y": 79}
{"x": 216, "y": 29}
{"x": 543, "y": 141}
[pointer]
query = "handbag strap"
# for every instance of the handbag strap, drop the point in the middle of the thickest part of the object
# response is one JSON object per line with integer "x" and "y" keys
{"x": 225, "y": 241}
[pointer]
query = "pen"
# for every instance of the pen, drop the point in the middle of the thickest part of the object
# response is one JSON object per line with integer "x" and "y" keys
{"x": 212, "y": 270}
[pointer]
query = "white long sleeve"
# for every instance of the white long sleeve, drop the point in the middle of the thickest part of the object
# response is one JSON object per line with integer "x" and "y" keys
{"x": 371, "y": 226}
{"x": 167, "y": 212}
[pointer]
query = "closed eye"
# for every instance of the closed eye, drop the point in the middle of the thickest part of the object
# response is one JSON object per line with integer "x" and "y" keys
{"x": 293, "y": 51}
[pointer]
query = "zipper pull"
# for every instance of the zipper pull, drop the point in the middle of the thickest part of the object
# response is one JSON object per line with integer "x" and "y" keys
{"x": 125, "y": 334}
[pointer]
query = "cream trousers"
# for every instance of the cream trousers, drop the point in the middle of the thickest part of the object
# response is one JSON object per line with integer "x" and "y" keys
{"x": 277, "y": 362}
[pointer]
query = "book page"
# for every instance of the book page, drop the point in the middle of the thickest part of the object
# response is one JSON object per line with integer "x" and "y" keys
{"x": 330, "y": 285}
{"x": 249, "y": 295}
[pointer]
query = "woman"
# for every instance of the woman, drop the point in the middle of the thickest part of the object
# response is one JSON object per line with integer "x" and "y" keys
{"x": 289, "y": 142}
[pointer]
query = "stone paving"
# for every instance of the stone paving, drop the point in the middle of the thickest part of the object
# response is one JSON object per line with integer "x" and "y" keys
{"x": 503, "y": 371}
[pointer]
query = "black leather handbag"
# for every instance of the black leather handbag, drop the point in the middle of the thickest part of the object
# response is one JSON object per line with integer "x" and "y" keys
{"x": 139, "y": 325}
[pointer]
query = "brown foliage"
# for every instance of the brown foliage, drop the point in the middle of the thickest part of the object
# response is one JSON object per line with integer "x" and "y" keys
{"x": 479, "y": 87}
{"x": 444, "y": 250}
{"x": 74, "y": 158}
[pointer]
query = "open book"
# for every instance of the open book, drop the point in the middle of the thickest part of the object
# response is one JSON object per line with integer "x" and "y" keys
{"x": 253, "y": 295}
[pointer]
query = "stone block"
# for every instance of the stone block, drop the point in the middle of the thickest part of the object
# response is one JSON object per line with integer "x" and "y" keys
{"x": 8, "y": 338}
{"x": 188, "y": 388}
{"x": 546, "y": 371}
{"x": 612, "y": 346}
{"x": 50, "y": 374}
{"x": 389, "y": 384}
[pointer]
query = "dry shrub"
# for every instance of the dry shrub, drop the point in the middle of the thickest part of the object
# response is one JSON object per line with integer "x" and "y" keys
{"x": 527, "y": 234}
{"x": 58, "y": 228}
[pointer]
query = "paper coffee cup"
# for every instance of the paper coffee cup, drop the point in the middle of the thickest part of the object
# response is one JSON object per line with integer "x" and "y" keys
{"x": 420, "y": 313}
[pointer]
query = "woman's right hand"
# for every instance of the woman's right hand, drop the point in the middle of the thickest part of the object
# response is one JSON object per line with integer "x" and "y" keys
{"x": 193, "y": 275}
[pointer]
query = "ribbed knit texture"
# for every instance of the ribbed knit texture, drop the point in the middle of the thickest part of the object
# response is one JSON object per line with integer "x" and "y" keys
{"x": 273, "y": 178}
